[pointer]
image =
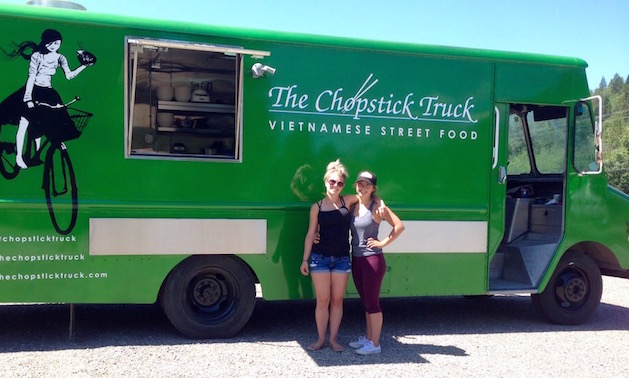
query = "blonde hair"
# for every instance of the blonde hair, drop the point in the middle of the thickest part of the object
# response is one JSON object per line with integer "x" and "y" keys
{"x": 335, "y": 167}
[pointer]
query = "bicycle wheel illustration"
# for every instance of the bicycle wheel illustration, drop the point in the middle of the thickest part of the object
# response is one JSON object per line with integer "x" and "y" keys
{"x": 61, "y": 190}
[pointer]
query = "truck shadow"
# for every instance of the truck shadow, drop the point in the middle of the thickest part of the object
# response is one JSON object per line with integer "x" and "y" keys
{"x": 407, "y": 322}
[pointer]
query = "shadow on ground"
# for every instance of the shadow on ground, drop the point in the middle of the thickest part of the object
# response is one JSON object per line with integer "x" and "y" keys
{"x": 45, "y": 327}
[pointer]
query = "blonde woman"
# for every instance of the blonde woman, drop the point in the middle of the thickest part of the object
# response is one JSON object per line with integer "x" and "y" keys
{"x": 328, "y": 261}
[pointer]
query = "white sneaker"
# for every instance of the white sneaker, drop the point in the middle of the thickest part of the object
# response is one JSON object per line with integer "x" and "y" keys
{"x": 359, "y": 343}
{"x": 369, "y": 348}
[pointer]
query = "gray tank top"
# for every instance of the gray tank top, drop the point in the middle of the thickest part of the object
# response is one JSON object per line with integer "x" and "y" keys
{"x": 364, "y": 227}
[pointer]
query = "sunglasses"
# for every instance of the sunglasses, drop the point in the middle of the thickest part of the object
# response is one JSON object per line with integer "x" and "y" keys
{"x": 340, "y": 184}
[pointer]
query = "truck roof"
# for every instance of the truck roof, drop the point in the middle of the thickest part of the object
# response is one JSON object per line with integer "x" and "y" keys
{"x": 178, "y": 27}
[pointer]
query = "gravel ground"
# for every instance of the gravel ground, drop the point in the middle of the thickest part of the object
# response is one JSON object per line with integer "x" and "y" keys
{"x": 428, "y": 337}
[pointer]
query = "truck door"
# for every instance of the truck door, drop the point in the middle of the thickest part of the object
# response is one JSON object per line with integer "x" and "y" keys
{"x": 498, "y": 180}
{"x": 536, "y": 138}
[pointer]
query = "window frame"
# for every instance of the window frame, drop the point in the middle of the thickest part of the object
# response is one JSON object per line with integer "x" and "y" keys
{"x": 132, "y": 46}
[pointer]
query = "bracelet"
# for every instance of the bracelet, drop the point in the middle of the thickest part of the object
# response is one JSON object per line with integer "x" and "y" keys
{"x": 304, "y": 260}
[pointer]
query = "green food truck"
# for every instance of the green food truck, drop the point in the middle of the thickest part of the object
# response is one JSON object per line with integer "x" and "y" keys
{"x": 149, "y": 161}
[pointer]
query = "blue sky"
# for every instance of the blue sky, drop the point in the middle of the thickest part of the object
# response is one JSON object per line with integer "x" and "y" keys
{"x": 597, "y": 31}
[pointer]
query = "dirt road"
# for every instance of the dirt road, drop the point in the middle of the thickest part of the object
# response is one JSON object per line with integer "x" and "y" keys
{"x": 428, "y": 337}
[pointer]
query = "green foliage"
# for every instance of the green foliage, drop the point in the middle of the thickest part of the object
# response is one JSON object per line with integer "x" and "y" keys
{"x": 616, "y": 130}
{"x": 549, "y": 144}
{"x": 518, "y": 154}
{"x": 548, "y": 140}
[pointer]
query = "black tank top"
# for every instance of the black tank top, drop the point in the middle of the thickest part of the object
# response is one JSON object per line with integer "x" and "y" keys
{"x": 333, "y": 231}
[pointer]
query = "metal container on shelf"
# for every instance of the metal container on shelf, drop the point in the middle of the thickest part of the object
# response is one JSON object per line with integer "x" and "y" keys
{"x": 201, "y": 92}
{"x": 164, "y": 92}
{"x": 183, "y": 93}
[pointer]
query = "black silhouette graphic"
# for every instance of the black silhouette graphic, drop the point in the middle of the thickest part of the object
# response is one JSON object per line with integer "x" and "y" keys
{"x": 39, "y": 112}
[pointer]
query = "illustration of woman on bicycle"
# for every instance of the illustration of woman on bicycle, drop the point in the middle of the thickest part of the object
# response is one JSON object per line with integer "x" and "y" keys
{"x": 37, "y": 108}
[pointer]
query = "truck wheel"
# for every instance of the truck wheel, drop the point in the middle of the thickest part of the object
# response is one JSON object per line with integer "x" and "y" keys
{"x": 209, "y": 296}
{"x": 573, "y": 292}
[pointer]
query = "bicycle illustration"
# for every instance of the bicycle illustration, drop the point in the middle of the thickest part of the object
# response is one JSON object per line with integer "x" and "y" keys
{"x": 59, "y": 181}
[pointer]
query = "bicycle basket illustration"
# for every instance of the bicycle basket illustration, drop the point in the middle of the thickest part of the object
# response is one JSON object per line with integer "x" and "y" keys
{"x": 79, "y": 118}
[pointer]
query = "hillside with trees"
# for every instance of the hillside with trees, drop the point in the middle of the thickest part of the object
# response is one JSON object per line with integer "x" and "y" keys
{"x": 615, "y": 130}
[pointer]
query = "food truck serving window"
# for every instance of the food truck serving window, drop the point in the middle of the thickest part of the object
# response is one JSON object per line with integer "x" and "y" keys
{"x": 183, "y": 99}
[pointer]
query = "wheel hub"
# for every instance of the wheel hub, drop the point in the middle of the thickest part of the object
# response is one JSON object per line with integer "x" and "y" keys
{"x": 575, "y": 290}
{"x": 207, "y": 292}
{"x": 572, "y": 290}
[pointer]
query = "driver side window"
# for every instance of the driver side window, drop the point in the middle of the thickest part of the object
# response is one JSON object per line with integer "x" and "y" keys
{"x": 585, "y": 140}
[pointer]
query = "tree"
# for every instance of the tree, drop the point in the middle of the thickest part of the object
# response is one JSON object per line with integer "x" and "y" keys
{"x": 616, "y": 131}
{"x": 616, "y": 84}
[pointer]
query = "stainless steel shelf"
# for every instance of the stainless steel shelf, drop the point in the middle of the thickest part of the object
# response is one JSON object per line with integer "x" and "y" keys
{"x": 196, "y": 107}
{"x": 189, "y": 130}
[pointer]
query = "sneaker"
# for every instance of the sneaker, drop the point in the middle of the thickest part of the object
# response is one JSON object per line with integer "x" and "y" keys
{"x": 359, "y": 343}
{"x": 369, "y": 348}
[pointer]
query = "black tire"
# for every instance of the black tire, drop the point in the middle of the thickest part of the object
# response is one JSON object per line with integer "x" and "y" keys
{"x": 209, "y": 296}
{"x": 59, "y": 184}
{"x": 573, "y": 292}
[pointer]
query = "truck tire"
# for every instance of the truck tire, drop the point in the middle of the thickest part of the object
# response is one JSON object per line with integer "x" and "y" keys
{"x": 209, "y": 296}
{"x": 573, "y": 292}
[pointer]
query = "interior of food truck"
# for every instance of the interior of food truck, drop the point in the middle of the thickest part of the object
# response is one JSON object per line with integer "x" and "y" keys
{"x": 182, "y": 100}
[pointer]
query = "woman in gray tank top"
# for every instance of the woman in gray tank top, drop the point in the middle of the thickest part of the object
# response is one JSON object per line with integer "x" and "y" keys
{"x": 368, "y": 264}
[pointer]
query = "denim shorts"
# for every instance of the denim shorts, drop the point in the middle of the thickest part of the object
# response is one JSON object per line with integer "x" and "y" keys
{"x": 335, "y": 264}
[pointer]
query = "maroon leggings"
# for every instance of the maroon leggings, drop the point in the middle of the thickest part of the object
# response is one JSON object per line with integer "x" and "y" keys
{"x": 368, "y": 273}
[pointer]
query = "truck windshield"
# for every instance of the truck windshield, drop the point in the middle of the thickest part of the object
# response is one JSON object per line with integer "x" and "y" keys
{"x": 537, "y": 139}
